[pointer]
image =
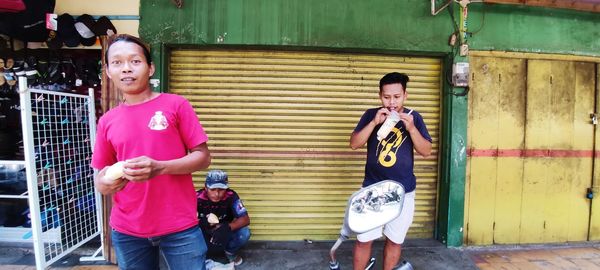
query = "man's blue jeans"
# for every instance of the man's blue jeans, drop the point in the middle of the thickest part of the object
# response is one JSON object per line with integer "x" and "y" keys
{"x": 238, "y": 239}
{"x": 183, "y": 250}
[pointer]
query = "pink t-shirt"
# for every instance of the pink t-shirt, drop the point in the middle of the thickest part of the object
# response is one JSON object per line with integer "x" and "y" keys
{"x": 163, "y": 128}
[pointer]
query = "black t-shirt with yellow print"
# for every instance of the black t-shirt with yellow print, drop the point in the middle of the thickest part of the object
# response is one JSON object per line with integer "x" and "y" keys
{"x": 392, "y": 158}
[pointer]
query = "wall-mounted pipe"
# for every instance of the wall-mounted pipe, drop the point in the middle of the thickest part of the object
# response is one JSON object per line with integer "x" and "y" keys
{"x": 434, "y": 11}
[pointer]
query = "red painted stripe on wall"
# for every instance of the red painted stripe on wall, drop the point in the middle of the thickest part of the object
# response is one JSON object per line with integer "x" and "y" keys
{"x": 302, "y": 154}
{"x": 553, "y": 153}
{"x": 305, "y": 154}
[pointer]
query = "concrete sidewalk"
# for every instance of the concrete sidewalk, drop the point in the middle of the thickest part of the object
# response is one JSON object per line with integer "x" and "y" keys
{"x": 422, "y": 253}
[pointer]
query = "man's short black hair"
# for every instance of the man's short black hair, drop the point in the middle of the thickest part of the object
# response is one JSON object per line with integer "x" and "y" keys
{"x": 392, "y": 78}
{"x": 131, "y": 39}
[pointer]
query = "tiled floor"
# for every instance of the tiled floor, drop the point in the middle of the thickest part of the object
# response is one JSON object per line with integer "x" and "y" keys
{"x": 543, "y": 258}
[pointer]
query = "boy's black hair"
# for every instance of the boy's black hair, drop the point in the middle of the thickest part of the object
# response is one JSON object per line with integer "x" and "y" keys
{"x": 128, "y": 38}
{"x": 392, "y": 78}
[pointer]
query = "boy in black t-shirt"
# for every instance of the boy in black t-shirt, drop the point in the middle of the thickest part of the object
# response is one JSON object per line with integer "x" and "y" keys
{"x": 222, "y": 217}
{"x": 390, "y": 158}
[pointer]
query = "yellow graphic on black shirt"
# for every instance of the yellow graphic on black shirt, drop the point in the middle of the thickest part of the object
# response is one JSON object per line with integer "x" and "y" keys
{"x": 388, "y": 147}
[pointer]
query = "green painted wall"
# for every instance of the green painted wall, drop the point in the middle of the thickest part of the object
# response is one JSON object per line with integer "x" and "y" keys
{"x": 405, "y": 25}
{"x": 533, "y": 29}
{"x": 329, "y": 23}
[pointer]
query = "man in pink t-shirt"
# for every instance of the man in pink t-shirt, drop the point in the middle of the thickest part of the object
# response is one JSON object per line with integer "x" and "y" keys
{"x": 161, "y": 141}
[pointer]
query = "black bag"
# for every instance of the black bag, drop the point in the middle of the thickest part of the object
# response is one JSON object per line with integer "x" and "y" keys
{"x": 30, "y": 24}
{"x": 217, "y": 238}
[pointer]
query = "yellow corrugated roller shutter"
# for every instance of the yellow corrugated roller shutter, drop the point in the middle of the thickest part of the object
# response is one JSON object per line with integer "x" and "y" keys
{"x": 279, "y": 123}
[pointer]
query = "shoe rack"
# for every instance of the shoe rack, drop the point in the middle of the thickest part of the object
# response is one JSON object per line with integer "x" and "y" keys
{"x": 68, "y": 72}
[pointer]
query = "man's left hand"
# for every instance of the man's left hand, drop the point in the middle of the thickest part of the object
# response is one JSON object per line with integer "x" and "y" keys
{"x": 141, "y": 168}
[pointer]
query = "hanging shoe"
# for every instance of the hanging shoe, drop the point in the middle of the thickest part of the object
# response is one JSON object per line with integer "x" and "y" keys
{"x": 68, "y": 72}
{"x": 42, "y": 69}
{"x": 54, "y": 72}
{"x": 9, "y": 63}
{"x": 32, "y": 76}
{"x": 92, "y": 73}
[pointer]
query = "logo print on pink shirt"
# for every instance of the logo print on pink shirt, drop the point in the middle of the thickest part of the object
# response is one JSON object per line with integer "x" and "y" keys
{"x": 158, "y": 121}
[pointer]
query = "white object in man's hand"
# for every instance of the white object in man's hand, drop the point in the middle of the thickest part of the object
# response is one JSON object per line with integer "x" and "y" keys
{"x": 114, "y": 172}
{"x": 212, "y": 218}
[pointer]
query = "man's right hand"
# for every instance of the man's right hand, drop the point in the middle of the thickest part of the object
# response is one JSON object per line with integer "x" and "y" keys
{"x": 381, "y": 115}
{"x": 107, "y": 187}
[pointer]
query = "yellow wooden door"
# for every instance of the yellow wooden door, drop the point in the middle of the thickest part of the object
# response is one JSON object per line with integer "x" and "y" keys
{"x": 496, "y": 123}
{"x": 530, "y": 151}
{"x": 559, "y": 139}
{"x": 279, "y": 123}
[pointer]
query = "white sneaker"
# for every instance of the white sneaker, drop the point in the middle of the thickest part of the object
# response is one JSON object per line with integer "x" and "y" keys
{"x": 236, "y": 259}
{"x": 213, "y": 265}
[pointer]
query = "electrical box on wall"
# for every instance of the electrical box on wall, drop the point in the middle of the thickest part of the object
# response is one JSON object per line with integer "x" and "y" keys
{"x": 460, "y": 74}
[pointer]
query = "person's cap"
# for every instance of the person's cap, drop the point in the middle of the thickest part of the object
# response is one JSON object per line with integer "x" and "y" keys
{"x": 67, "y": 31}
{"x": 104, "y": 27}
{"x": 217, "y": 179}
{"x": 84, "y": 25}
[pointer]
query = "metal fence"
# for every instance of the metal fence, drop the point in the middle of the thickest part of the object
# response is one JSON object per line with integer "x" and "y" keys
{"x": 58, "y": 135}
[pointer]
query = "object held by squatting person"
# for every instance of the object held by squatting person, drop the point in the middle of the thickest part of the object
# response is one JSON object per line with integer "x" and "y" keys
{"x": 212, "y": 218}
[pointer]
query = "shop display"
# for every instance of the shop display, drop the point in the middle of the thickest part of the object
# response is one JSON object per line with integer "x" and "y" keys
{"x": 63, "y": 199}
{"x": 58, "y": 56}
